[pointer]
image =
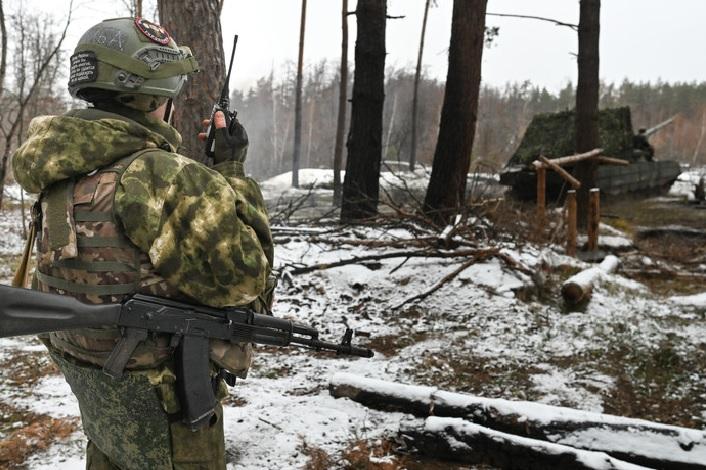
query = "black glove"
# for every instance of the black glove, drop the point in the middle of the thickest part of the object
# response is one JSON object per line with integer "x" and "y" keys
{"x": 231, "y": 143}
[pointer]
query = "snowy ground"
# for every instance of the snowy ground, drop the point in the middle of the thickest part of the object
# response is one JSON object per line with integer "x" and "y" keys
{"x": 492, "y": 331}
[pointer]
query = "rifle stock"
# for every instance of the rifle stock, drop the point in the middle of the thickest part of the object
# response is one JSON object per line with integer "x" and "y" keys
{"x": 29, "y": 312}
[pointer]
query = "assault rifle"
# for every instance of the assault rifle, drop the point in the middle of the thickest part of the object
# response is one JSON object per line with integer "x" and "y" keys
{"x": 29, "y": 312}
{"x": 222, "y": 105}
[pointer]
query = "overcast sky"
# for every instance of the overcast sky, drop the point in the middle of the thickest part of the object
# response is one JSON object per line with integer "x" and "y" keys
{"x": 640, "y": 39}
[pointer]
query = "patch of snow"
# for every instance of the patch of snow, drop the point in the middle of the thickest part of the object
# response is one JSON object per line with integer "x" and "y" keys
{"x": 696, "y": 300}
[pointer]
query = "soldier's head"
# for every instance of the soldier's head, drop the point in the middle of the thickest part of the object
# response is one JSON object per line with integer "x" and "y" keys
{"x": 131, "y": 61}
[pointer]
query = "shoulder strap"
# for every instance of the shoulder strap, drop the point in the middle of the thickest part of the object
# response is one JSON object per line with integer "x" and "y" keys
{"x": 121, "y": 165}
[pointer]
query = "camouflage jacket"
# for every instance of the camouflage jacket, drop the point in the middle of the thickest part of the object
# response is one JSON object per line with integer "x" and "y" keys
{"x": 204, "y": 230}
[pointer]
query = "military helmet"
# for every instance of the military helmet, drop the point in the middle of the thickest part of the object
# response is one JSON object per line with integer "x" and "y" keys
{"x": 129, "y": 56}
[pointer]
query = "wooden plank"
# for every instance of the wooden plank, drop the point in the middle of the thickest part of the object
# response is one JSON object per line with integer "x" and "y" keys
{"x": 573, "y": 159}
{"x": 612, "y": 161}
{"x": 541, "y": 196}
{"x": 594, "y": 218}
{"x": 571, "y": 234}
{"x": 575, "y": 184}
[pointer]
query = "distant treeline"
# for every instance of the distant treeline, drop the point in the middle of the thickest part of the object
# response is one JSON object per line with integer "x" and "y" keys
{"x": 267, "y": 111}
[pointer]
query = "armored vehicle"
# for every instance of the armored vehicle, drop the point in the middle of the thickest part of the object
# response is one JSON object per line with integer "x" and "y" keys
{"x": 553, "y": 135}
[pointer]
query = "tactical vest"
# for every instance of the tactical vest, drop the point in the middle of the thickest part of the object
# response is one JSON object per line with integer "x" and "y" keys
{"x": 83, "y": 252}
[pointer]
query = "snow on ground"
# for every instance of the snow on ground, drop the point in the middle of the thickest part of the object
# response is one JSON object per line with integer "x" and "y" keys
{"x": 490, "y": 331}
{"x": 686, "y": 182}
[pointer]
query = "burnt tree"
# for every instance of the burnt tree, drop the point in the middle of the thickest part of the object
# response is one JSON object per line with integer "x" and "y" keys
{"x": 415, "y": 94}
{"x": 452, "y": 157}
{"x": 342, "y": 105}
{"x": 296, "y": 154}
{"x": 203, "y": 89}
{"x": 3, "y": 49}
{"x": 587, "y": 100}
{"x": 361, "y": 185}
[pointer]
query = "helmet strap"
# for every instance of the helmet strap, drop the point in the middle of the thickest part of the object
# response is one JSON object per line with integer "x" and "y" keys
{"x": 168, "y": 111}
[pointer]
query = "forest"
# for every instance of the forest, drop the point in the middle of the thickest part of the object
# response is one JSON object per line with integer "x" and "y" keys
{"x": 370, "y": 286}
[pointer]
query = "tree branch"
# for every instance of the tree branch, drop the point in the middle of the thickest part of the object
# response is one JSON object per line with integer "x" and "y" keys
{"x": 575, "y": 27}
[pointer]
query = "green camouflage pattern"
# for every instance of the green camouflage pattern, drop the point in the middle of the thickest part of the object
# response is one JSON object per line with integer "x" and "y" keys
{"x": 135, "y": 411}
{"x": 196, "y": 228}
{"x": 553, "y": 135}
{"x": 61, "y": 147}
{"x": 205, "y": 232}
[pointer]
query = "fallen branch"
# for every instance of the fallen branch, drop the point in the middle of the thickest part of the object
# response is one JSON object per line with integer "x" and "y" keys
{"x": 444, "y": 280}
{"x": 421, "y": 242}
{"x": 577, "y": 289}
{"x": 462, "y": 441}
{"x": 396, "y": 254}
{"x": 634, "y": 440}
{"x": 575, "y": 27}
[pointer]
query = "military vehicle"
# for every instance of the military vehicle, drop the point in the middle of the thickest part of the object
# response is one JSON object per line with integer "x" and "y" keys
{"x": 553, "y": 135}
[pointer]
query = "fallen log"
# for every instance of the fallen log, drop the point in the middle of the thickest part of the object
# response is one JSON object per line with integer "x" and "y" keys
{"x": 462, "y": 441}
{"x": 577, "y": 289}
{"x": 632, "y": 440}
{"x": 425, "y": 253}
{"x": 670, "y": 230}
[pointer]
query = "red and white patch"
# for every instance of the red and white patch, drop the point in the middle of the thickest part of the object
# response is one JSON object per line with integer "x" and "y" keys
{"x": 153, "y": 31}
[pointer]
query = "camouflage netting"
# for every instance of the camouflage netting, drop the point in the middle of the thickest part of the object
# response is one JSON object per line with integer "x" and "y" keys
{"x": 553, "y": 135}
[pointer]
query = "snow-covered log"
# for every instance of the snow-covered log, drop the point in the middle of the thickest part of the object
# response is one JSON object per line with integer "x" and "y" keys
{"x": 577, "y": 289}
{"x": 633, "y": 440}
{"x": 462, "y": 441}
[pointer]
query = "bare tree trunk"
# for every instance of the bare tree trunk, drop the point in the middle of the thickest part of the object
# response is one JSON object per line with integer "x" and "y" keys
{"x": 298, "y": 101}
{"x": 138, "y": 8}
{"x": 587, "y": 100}
{"x": 3, "y": 49}
{"x": 417, "y": 77}
{"x": 274, "y": 123}
{"x": 203, "y": 89}
{"x": 361, "y": 186}
{"x": 342, "y": 106}
{"x": 312, "y": 109}
{"x": 452, "y": 157}
{"x": 390, "y": 126}
{"x": 701, "y": 139}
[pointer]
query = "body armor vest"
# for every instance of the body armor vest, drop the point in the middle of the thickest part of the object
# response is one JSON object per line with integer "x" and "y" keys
{"x": 83, "y": 252}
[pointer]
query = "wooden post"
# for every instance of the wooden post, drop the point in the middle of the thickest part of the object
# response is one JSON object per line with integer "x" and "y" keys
{"x": 594, "y": 218}
{"x": 541, "y": 195}
{"x": 571, "y": 222}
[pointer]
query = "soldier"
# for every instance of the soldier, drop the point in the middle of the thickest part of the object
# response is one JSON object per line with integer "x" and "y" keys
{"x": 642, "y": 147}
{"x": 120, "y": 212}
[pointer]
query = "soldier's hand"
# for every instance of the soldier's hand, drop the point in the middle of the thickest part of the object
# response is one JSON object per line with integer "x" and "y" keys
{"x": 231, "y": 139}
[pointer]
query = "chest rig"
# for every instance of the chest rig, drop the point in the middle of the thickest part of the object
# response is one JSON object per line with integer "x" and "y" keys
{"x": 83, "y": 252}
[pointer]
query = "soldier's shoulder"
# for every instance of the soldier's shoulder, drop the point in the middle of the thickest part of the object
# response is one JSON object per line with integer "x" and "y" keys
{"x": 157, "y": 166}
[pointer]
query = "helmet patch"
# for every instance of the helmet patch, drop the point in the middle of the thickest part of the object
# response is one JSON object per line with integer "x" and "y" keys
{"x": 154, "y": 32}
{"x": 84, "y": 68}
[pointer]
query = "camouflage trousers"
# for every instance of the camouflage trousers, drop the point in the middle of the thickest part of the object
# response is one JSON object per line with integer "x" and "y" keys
{"x": 129, "y": 422}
